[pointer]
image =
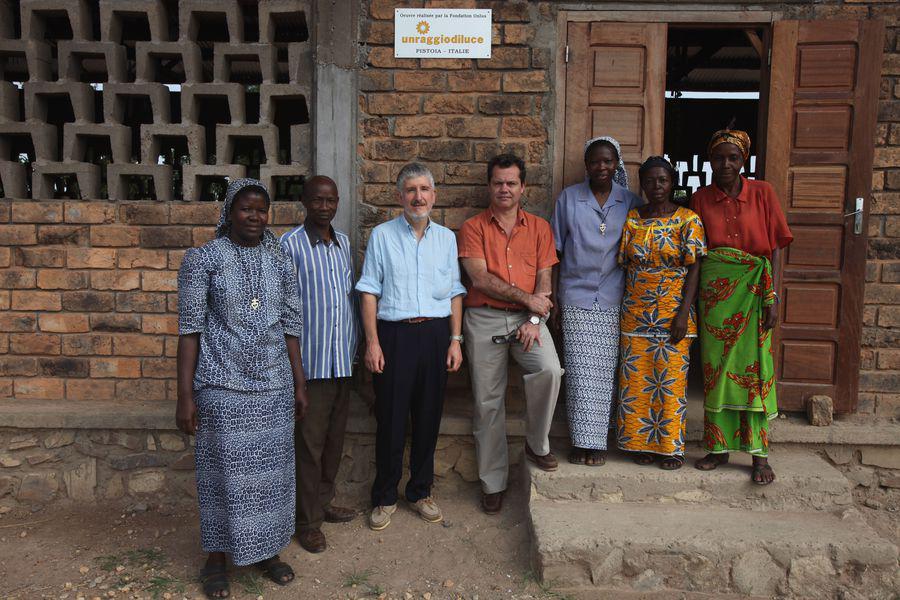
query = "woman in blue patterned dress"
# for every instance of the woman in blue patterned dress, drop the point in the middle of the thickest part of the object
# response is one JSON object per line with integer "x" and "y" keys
{"x": 240, "y": 385}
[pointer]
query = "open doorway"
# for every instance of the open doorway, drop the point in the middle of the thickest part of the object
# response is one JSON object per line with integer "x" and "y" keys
{"x": 714, "y": 79}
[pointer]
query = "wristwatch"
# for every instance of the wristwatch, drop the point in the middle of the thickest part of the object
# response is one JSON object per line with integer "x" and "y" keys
{"x": 535, "y": 320}
{"x": 456, "y": 338}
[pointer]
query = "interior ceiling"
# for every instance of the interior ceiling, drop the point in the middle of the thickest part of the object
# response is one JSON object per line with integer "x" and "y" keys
{"x": 712, "y": 60}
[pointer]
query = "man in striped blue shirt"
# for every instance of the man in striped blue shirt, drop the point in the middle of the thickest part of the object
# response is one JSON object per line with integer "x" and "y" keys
{"x": 324, "y": 264}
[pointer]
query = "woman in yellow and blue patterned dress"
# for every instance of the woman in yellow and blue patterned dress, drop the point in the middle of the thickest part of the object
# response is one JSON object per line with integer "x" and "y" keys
{"x": 660, "y": 251}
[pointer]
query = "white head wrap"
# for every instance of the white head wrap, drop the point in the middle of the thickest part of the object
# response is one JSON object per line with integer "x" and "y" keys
{"x": 621, "y": 175}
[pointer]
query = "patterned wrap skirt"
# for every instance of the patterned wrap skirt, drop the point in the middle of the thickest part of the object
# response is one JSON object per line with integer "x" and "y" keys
{"x": 245, "y": 472}
{"x": 591, "y": 352}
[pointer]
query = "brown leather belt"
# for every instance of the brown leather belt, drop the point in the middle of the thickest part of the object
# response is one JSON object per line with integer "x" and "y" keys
{"x": 504, "y": 309}
{"x": 417, "y": 320}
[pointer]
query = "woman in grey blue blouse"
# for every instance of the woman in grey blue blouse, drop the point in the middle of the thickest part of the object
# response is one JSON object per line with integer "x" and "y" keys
{"x": 240, "y": 385}
{"x": 588, "y": 284}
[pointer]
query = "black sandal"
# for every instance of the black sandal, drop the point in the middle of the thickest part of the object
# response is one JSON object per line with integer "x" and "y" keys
{"x": 643, "y": 458}
{"x": 577, "y": 456}
{"x": 276, "y": 570}
{"x": 671, "y": 463}
{"x": 214, "y": 579}
{"x": 594, "y": 458}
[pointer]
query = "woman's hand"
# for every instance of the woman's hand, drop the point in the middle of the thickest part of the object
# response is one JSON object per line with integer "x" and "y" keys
{"x": 679, "y": 328}
{"x": 301, "y": 402}
{"x": 771, "y": 319}
{"x": 186, "y": 415}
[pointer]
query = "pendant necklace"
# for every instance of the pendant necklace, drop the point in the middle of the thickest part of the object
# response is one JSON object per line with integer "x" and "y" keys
{"x": 603, "y": 221}
{"x": 254, "y": 301}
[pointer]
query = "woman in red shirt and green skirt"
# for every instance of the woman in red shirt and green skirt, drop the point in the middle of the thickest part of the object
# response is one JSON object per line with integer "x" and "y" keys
{"x": 745, "y": 229}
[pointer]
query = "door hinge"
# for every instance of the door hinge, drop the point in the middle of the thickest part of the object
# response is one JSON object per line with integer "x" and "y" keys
{"x": 769, "y": 58}
{"x": 567, "y": 54}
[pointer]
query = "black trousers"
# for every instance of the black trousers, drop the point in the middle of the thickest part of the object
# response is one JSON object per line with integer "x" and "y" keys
{"x": 411, "y": 387}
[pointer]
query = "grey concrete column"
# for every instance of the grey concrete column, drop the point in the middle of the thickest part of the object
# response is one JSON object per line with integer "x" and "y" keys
{"x": 335, "y": 111}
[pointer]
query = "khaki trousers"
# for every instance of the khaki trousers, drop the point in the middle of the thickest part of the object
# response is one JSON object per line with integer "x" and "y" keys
{"x": 488, "y": 364}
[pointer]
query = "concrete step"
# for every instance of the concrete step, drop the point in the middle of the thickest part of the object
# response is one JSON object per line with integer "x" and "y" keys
{"x": 803, "y": 481}
{"x": 653, "y": 547}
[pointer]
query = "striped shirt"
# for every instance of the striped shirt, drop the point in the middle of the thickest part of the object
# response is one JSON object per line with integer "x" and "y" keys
{"x": 325, "y": 283}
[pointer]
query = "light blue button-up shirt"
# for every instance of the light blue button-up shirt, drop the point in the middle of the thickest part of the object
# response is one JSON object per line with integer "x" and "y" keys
{"x": 412, "y": 278}
{"x": 589, "y": 271}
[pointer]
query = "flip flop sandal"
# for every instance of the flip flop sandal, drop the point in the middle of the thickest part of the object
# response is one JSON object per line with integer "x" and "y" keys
{"x": 597, "y": 456}
{"x": 276, "y": 570}
{"x": 577, "y": 456}
{"x": 671, "y": 463}
{"x": 759, "y": 470}
{"x": 215, "y": 581}
{"x": 643, "y": 458}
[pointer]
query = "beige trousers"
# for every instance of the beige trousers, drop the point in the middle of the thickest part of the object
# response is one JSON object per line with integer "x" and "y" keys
{"x": 488, "y": 363}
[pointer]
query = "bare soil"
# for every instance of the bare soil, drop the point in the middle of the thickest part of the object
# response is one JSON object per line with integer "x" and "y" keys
{"x": 151, "y": 550}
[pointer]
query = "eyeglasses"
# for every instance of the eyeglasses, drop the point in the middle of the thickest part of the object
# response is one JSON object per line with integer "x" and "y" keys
{"x": 509, "y": 338}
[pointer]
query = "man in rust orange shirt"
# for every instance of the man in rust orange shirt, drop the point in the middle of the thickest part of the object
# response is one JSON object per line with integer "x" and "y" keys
{"x": 508, "y": 254}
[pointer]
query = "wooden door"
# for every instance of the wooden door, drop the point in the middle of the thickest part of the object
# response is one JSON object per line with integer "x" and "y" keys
{"x": 615, "y": 86}
{"x": 822, "y": 111}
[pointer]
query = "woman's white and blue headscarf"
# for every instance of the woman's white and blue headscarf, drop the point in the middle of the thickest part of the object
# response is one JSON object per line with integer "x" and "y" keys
{"x": 621, "y": 175}
{"x": 235, "y": 186}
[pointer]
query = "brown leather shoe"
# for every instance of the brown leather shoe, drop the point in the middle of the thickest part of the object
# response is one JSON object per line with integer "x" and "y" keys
{"x": 492, "y": 503}
{"x": 546, "y": 462}
{"x": 339, "y": 514}
{"x": 312, "y": 540}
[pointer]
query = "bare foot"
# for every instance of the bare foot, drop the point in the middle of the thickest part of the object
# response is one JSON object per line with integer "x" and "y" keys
{"x": 762, "y": 473}
{"x": 711, "y": 461}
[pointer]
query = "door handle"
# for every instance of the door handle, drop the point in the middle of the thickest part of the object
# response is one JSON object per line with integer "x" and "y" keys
{"x": 858, "y": 216}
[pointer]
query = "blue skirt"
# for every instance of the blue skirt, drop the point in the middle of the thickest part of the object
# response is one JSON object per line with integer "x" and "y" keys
{"x": 245, "y": 472}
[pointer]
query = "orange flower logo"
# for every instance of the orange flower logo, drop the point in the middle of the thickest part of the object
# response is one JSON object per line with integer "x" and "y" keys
{"x": 423, "y": 27}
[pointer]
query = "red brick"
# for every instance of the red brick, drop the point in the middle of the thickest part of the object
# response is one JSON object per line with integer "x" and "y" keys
{"x": 37, "y": 212}
{"x": 141, "y": 390}
{"x": 11, "y": 366}
{"x": 90, "y": 389}
{"x": 115, "y": 280}
{"x": 541, "y": 58}
{"x": 32, "y": 300}
{"x": 41, "y": 257}
{"x": 283, "y": 213}
{"x": 430, "y": 126}
{"x": 18, "y": 235}
{"x": 473, "y": 81}
{"x": 137, "y": 258}
{"x": 63, "y": 367}
{"x": 34, "y": 343}
{"x": 501, "y": 104}
{"x": 465, "y": 173}
{"x": 376, "y": 81}
{"x": 379, "y": 32}
{"x": 175, "y": 258}
{"x": 506, "y": 57}
{"x": 70, "y": 235}
{"x": 519, "y": 127}
{"x": 195, "y": 213}
{"x": 158, "y": 368}
{"x": 126, "y": 368}
{"x": 380, "y": 194}
{"x": 141, "y": 302}
{"x": 528, "y": 81}
{"x": 441, "y": 150}
{"x": 394, "y": 150}
{"x": 90, "y": 212}
{"x": 375, "y": 127}
{"x": 518, "y": 34}
{"x": 5, "y": 257}
{"x": 384, "y": 9}
{"x": 57, "y": 279}
{"x": 383, "y": 57}
{"x": 160, "y": 281}
{"x": 17, "y": 279}
{"x": 447, "y": 64}
{"x": 115, "y": 235}
{"x": 137, "y": 344}
{"x": 116, "y": 323}
{"x": 88, "y": 301}
{"x": 171, "y": 347}
{"x": 166, "y": 237}
{"x": 449, "y": 104}
{"x": 375, "y": 172}
{"x": 5, "y": 297}
{"x": 160, "y": 324}
{"x": 172, "y": 303}
{"x": 6, "y": 388}
{"x": 10, "y": 321}
{"x": 38, "y": 388}
{"x": 201, "y": 235}
{"x": 64, "y": 323}
{"x": 420, "y": 81}
{"x": 473, "y": 127}
{"x": 87, "y": 345}
{"x": 156, "y": 213}
{"x": 393, "y": 104}
{"x": 509, "y": 10}
{"x": 91, "y": 258}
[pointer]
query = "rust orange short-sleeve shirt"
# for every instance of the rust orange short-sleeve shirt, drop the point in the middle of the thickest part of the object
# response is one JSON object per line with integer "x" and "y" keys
{"x": 752, "y": 222}
{"x": 516, "y": 260}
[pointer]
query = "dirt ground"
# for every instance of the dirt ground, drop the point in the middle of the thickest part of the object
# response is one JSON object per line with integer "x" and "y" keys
{"x": 151, "y": 550}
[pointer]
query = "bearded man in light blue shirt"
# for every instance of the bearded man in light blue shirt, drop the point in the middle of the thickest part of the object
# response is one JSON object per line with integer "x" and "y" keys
{"x": 411, "y": 304}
